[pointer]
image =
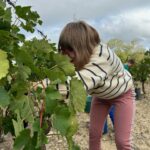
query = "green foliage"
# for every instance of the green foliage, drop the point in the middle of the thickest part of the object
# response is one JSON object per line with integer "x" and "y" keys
{"x": 30, "y": 18}
{"x": 52, "y": 99}
{"x": 26, "y": 141}
{"x": 77, "y": 95}
{"x": 18, "y": 125}
{"x": 23, "y": 92}
{"x": 4, "y": 64}
{"x": 65, "y": 122}
{"x": 22, "y": 140}
{"x": 7, "y": 124}
{"x": 4, "y": 99}
{"x": 141, "y": 70}
{"x": 125, "y": 51}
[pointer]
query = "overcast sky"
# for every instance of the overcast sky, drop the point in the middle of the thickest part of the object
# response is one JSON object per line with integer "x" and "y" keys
{"x": 122, "y": 19}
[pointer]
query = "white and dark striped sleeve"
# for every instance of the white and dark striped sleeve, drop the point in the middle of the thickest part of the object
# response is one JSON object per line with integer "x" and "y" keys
{"x": 91, "y": 79}
{"x": 114, "y": 61}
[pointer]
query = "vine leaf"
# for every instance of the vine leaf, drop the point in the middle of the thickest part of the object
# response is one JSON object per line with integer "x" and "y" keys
{"x": 41, "y": 139}
{"x": 25, "y": 141}
{"x": 18, "y": 125}
{"x": 4, "y": 64}
{"x": 22, "y": 140}
{"x": 4, "y": 97}
{"x": 56, "y": 74}
{"x": 27, "y": 110}
{"x": 2, "y": 4}
{"x": 52, "y": 97}
{"x": 77, "y": 95}
{"x": 65, "y": 122}
{"x": 63, "y": 62}
{"x": 7, "y": 16}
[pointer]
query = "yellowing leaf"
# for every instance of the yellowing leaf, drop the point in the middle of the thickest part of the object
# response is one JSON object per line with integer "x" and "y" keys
{"x": 4, "y": 64}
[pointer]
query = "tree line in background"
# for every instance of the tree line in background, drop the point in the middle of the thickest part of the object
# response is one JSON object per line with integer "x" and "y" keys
{"x": 133, "y": 50}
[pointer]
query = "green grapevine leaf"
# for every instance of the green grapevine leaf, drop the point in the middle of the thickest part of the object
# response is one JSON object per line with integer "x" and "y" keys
{"x": 73, "y": 126}
{"x": 31, "y": 145}
{"x": 22, "y": 139}
{"x": 27, "y": 110}
{"x": 28, "y": 27}
{"x": 55, "y": 74}
{"x": 2, "y": 4}
{"x": 24, "y": 72}
{"x": 22, "y": 11}
{"x": 5, "y": 39}
{"x": 2, "y": 12}
{"x": 19, "y": 88}
{"x": 25, "y": 107}
{"x": 31, "y": 18}
{"x": 64, "y": 121}
{"x": 4, "y": 97}
{"x": 77, "y": 95}
{"x": 18, "y": 125}
{"x": 23, "y": 57}
{"x": 36, "y": 125}
{"x": 52, "y": 97}
{"x": 8, "y": 124}
{"x": 7, "y": 15}
{"x": 21, "y": 37}
{"x": 4, "y": 64}
{"x": 42, "y": 139}
{"x": 25, "y": 141}
{"x": 64, "y": 63}
{"x": 38, "y": 46}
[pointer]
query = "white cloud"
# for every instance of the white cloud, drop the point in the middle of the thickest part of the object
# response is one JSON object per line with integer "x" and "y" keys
{"x": 57, "y": 11}
{"x": 128, "y": 25}
{"x": 124, "y": 19}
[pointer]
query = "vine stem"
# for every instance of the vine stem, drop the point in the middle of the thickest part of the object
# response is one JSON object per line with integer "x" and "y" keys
{"x": 41, "y": 114}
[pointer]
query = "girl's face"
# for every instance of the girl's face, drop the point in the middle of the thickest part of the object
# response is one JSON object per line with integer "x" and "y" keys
{"x": 70, "y": 53}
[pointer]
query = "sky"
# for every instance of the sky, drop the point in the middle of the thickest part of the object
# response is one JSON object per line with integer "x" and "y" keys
{"x": 122, "y": 19}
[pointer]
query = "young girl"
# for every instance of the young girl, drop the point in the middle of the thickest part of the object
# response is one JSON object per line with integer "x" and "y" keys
{"x": 104, "y": 78}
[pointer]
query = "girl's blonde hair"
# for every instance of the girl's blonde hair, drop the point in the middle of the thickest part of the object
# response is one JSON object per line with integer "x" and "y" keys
{"x": 80, "y": 38}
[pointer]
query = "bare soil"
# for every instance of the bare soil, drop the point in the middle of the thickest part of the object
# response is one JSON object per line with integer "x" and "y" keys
{"x": 141, "y": 132}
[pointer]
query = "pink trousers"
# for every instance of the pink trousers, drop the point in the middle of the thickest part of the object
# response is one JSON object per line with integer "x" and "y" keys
{"x": 123, "y": 120}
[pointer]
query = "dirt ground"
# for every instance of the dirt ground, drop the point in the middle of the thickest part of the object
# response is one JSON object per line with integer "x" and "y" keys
{"x": 141, "y": 132}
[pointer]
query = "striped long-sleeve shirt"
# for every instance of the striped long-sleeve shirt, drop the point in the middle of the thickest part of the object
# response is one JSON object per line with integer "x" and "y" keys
{"x": 104, "y": 76}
